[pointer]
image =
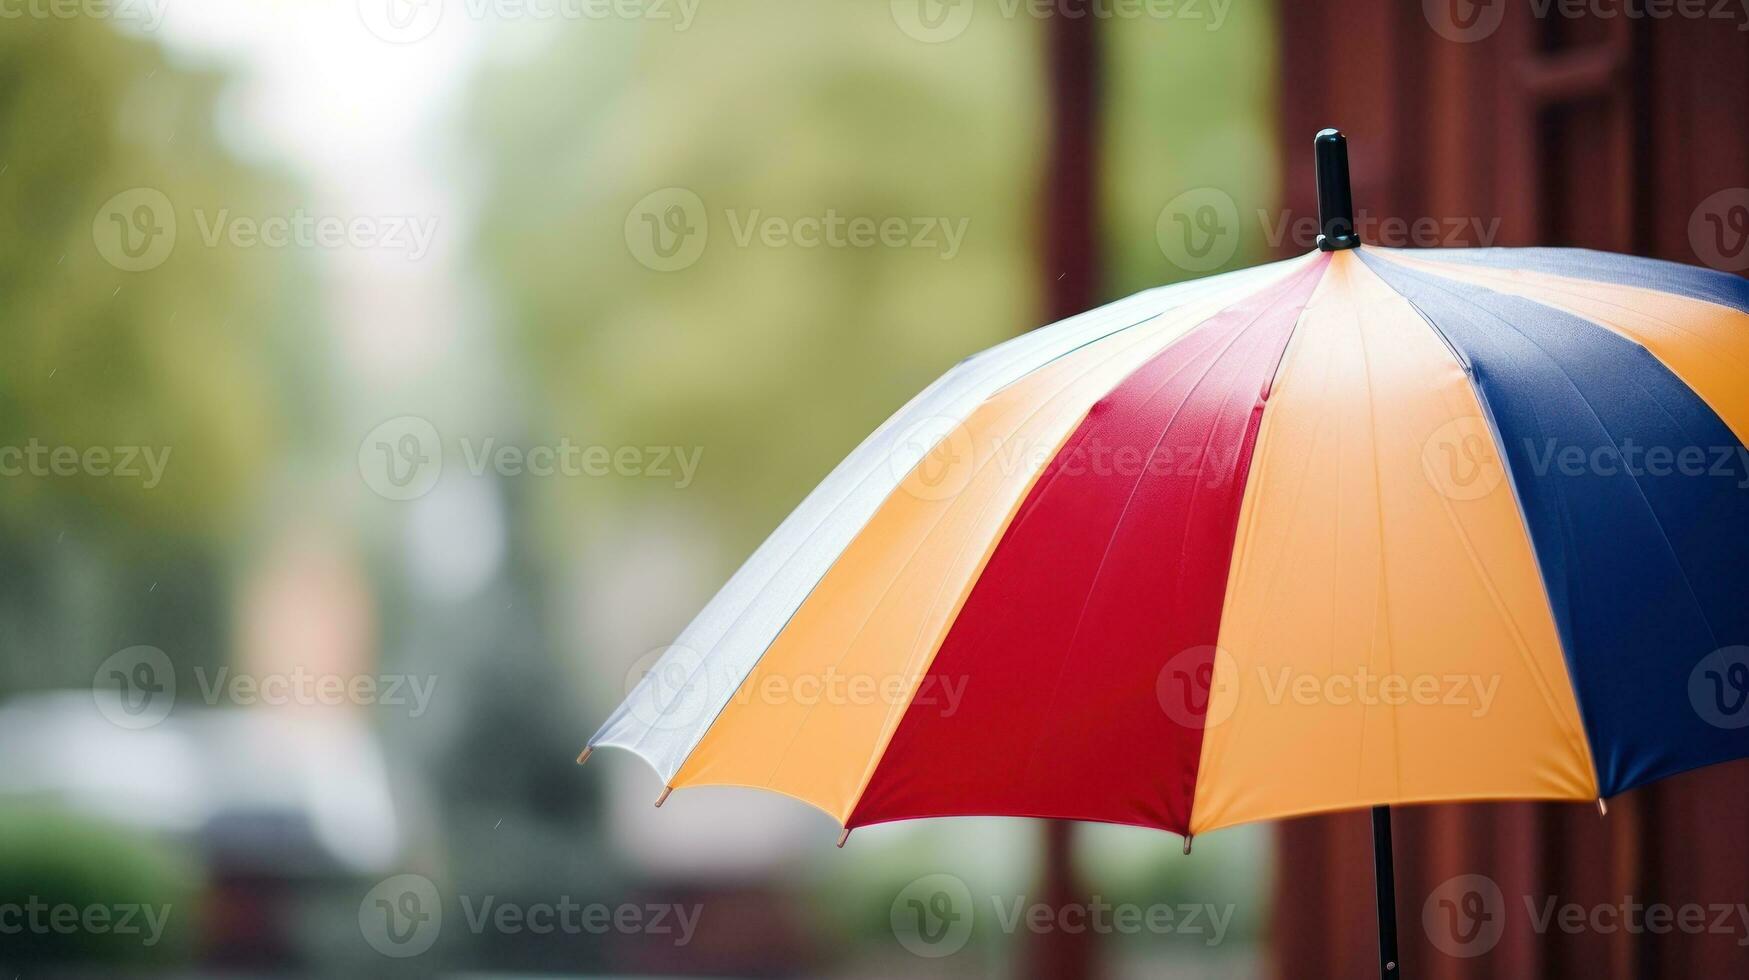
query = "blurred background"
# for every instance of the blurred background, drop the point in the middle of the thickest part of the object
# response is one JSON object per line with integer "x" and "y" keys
{"x": 386, "y": 382}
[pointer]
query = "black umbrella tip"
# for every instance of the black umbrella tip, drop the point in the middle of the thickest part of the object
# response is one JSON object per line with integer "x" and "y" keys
{"x": 1335, "y": 200}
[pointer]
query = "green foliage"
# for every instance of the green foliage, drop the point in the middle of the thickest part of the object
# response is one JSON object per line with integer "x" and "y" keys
{"x": 775, "y": 360}
{"x": 1187, "y": 107}
{"x": 175, "y": 357}
{"x": 76, "y": 890}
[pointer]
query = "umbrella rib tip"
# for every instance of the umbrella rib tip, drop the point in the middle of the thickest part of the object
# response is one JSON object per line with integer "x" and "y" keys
{"x": 844, "y": 837}
{"x": 1602, "y": 807}
{"x": 664, "y": 797}
{"x": 1187, "y": 839}
{"x": 583, "y": 756}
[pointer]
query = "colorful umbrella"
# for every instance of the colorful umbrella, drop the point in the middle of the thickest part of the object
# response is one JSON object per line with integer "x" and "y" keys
{"x": 1362, "y": 528}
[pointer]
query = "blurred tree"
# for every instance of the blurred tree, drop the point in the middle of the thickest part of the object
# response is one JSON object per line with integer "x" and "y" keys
{"x": 1189, "y": 107}
{"x": 128, "y": 334}
{"x": 775, "y": 359}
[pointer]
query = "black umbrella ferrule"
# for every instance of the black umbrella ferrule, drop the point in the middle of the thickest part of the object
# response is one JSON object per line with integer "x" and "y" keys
{"x": 1335, "y": 200}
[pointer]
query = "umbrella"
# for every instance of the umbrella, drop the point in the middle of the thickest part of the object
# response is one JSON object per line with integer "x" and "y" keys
{"x": 1363, "y": 528}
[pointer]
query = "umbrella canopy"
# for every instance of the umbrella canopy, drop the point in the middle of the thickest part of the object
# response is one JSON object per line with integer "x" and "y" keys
{"x": 1365, "y": 527}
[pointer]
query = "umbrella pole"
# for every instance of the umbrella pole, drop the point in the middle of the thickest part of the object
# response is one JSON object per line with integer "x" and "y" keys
{"x": 1385, "y": 877}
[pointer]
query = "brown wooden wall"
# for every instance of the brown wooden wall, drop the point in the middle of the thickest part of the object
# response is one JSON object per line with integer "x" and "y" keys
{"x": 1591, "y": 131}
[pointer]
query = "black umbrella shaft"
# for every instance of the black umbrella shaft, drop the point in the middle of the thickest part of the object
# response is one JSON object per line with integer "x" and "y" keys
{"x": 1335, "y": 199}
{"x": 1385, "y": 875}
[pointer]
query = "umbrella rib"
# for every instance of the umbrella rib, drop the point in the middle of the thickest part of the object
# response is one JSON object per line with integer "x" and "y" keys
{"x": 1383, "y": 599}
